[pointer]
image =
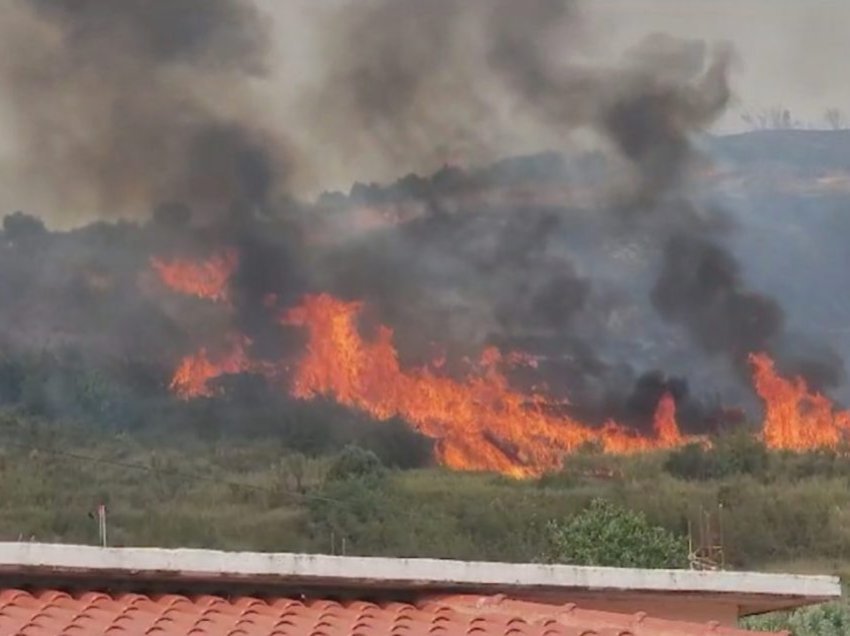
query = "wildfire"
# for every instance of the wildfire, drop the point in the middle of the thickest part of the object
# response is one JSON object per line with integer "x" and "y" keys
{"x": 664, "y": 422}
{"x": 481, "y": 423}
{"x": 796, "y": 418}
{"x": 192, "y": 377}
{"x": 203, "y": 279}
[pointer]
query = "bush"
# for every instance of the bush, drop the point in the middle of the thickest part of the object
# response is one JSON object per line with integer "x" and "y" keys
{"x": 606, "y": 535}
{"x": 356, "y": 463}
{"x": 736, "y": 453}
{"x": 832, "y": 619}
{"x": 740, "y": 453}
{"x": 692, "y": 462}
{"x": 397, "y": 445}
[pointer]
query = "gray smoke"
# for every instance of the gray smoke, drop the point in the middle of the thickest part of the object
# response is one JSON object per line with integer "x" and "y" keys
{"x": 124, "y": 105}
{"x": 118, "y": 106}
{"x": 418, "y": 82}
{"x": 701, "y": 287}
{"x": 404, "y": 77}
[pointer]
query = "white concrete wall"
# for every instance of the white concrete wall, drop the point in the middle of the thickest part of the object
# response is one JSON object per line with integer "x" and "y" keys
{"x": 746, "y": 591}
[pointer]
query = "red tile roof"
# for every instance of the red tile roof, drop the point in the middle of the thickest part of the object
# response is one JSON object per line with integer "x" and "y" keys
{"x": 55, "y": 613}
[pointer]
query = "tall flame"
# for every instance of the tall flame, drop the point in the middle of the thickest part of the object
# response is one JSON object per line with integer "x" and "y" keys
{"x": 664, "y": 423}
{"x": 207, "y": 279}
{"x": 481, "y": 422}
{"x": 796, "y": 418}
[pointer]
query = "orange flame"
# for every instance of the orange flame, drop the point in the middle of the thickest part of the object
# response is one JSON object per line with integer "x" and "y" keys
{"x": 796, "y": 418}
{"x": 205, "y": 279}
{"x": 664, "y": 423}
{"x": 192, "y": 377}
{"x": 481, "y": 423}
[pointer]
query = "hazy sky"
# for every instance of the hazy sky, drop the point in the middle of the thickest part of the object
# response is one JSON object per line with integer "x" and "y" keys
{"x": 791, "y": 53}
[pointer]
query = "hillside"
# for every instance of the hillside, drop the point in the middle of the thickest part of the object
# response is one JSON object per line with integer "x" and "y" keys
{"x": 806, "y": 151}
{"x": 92, "y": 415}
{"x": 779, "y": 511}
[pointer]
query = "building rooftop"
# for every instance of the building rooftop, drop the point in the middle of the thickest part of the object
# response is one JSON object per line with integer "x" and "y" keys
{"x": 48, "y": 589}
{"x": 51, "y": 613}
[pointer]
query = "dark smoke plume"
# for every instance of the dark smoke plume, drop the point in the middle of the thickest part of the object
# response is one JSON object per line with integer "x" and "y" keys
{"x": 404, "y": 77}
{"x": 121, "y": 105}
{"x": 701, "y": 287}
{"x": 128, "y": 105}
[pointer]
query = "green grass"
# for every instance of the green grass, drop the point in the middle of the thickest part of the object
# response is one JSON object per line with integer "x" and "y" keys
{"x": 792, "y": 513}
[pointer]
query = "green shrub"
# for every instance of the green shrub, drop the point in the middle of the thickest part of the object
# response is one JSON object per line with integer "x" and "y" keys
{"x": 607, "y": 535}
{"x": 355, "y": 463}
{"x": 737, "y": 453}
{"x": 831, "y": 619}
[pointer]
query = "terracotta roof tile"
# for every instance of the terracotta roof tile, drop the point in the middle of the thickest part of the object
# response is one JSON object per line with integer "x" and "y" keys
{"x": 56, "y": 613}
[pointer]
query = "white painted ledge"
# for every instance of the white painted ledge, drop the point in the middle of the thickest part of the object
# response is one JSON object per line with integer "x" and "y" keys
{"x": 757, "y": 591}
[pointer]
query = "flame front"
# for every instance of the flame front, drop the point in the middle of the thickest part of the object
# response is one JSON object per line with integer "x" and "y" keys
{"x": 207, "y": 279}
{"x": 796, "y": 418}
{"x": 481, "y": 423}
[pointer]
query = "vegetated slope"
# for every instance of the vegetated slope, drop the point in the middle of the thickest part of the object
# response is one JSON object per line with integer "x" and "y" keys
{"x": 789, "y": 192}
{"x": 239, "y": 493}
{"x": 805, "y": 150}
{"x": 214, "y": 473}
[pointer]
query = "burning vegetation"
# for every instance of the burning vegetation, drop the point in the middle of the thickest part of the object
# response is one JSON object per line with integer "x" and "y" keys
{"x": 207, "y": 279}
{"x": 512, "y": 312}
{"x": 480, "y": 422}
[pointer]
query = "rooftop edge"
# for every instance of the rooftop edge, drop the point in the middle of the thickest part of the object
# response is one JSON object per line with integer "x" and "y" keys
{"x": 345, "y": 572}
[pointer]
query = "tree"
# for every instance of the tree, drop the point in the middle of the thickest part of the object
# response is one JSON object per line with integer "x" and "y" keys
{"x": 356, "y": 463}
{"x": 23, "y": 227}
{"x": 607, "y": 535}
{"x": 835, "y": 118}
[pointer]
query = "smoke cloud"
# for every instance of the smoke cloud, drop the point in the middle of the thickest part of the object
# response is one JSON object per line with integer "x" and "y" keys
{"x": 120, "y": 105}
{"x": 423, "y": 83}
{"x": 125, "y": 107}
{"x": 701, "y": 287}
